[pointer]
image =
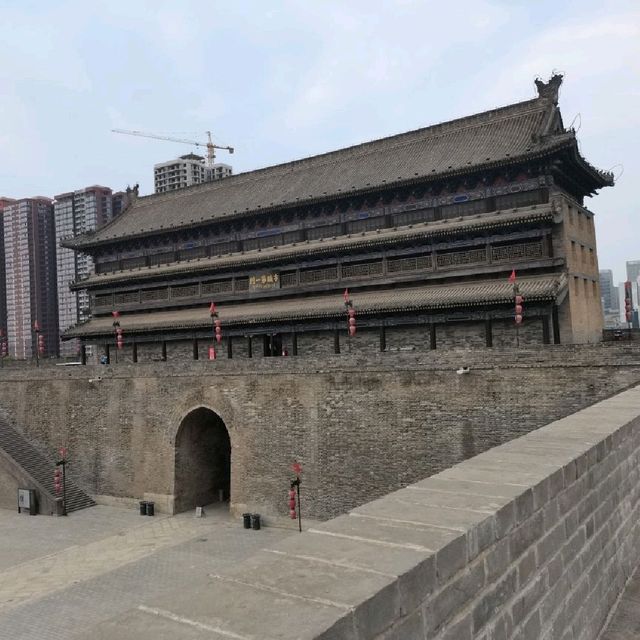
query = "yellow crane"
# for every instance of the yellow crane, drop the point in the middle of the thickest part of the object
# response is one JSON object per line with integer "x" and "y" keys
{"x": 211, "y": 148}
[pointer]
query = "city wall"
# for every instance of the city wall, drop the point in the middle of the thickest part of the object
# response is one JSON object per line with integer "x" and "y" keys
{"x": 361, "y": 426}
{"x": 533, "y": 540}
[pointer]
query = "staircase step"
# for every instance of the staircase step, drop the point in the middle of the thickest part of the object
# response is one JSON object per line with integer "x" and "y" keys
{"x": 39, "y": 466}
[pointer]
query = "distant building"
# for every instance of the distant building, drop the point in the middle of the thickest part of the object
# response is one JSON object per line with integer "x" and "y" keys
{"x": 120, "y": 201}
{"x": 3, "y": 285}
{"x": 31, "y": 288}
{"x": 633, "y": 270}
{"x": 186, "y": 171}
{"x": 77, "y": 212}
{"x": 608, "y": 291}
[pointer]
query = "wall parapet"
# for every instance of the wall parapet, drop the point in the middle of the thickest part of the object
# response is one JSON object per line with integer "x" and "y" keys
{"x": 533, "y": 539}
{"x": 609, "y": 354}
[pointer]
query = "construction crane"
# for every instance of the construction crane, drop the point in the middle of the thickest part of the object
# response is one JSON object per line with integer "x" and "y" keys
{"x": 211, "y": 148}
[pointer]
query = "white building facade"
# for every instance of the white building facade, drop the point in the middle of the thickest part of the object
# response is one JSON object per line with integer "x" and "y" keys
{"x": 186, "y": 171}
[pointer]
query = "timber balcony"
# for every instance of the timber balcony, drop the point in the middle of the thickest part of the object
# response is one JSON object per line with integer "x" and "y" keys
{"x": 381, "y": 270}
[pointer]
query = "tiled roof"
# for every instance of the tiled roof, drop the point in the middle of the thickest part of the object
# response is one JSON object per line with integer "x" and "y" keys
{"x": 249, "y": 259}
{"x": 501, "y": 136}
{"x": 331, "y": 306}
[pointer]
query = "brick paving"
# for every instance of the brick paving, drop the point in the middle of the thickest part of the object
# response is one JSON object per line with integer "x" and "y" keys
{"x": 69, "y": 574}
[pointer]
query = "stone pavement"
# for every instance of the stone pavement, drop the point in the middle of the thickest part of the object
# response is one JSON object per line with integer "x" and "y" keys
{"x": 60, "y": 577}
{"x": 625, "y": 621}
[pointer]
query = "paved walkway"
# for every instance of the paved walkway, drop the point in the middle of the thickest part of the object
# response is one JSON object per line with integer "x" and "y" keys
{"x": 625, "y": 623}
{"x": 62, "y": 576}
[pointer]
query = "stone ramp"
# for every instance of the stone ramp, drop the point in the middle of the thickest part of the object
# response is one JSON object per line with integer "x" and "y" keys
{"x": 32, "y": 465}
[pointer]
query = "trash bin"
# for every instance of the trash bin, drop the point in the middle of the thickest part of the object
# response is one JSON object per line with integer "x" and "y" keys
{"x": 151, "y": 508}
{"x": 143, "y": 507}
{"x": 255, "y": 521}
{"x": 246, "y": 520}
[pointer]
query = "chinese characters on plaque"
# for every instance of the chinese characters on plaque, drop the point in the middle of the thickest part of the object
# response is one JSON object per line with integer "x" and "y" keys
{"x": 264, "y": 281}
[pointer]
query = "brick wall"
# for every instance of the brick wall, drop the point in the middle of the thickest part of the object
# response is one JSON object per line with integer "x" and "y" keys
{"x": 362, "y": 425}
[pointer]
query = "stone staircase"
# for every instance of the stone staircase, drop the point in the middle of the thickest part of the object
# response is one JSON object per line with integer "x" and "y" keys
{"x": 38, "y": 468}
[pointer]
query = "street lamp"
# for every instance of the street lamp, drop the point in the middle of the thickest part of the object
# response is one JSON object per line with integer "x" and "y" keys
{"x": 60, "y": 483}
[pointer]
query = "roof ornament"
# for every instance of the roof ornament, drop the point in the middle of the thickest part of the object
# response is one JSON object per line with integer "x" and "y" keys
{"x": 549, "y": 90}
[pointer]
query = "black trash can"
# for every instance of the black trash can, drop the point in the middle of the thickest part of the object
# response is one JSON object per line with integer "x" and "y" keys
{"x": 255, "y": 521}
{"x": 143, "y": 507}
{"x": 246, "y": 520}
{"x": 151, "y": 508}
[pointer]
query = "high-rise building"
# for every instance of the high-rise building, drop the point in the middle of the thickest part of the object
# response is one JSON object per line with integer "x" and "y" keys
{"x": 3, "y": 280}
{"x": 186, "y": 171}
{"x": 633, "y": 270}
{"x": 30, "y": 262}
{"x": 608, "y": 291}
{"x": 77, "y": 212}
{"x": 120, "y": 200}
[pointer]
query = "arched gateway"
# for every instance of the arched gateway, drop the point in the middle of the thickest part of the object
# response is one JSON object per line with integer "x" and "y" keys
{"x": 203, "y": 460}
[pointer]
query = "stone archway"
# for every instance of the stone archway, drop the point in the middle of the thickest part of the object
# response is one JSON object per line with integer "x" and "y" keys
{"x": 203, "y": 460}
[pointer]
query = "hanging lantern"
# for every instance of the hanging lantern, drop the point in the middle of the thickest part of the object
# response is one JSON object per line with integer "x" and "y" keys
{"x": 212, "y": 353}
{"x": 352, "y": 331}
{"x": 212, "y": 309}
{"x": 519, "y": 308}
{"x": 41, "y": 348}
{"x": 57, "y": 482}
{"x": 36, "y": 326}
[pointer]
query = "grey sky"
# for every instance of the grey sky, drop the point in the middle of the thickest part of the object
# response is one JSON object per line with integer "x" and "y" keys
{"x": 285, "y": 79}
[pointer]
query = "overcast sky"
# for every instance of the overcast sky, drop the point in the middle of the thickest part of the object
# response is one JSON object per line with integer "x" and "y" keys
{"x": 285, "y": 79}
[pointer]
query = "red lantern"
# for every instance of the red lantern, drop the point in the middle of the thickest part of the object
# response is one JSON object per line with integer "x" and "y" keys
{"x": 212, "y": 353}
{"x": 352, "y": 322}
{"x": 212, "y": 309}
{"x": 351, "y": 312}
{"x": 41, "y": 348}
{"x": 36, "y": 326}
{"x": 292, "y": 514}
{"x": 518, "y": 319}
{"x": 115, "y": 314}
{"x": 352, "y": 331}
{"x": 519, "y": 309}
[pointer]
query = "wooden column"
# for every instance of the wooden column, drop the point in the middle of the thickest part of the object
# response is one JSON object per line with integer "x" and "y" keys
{"x": 229, "y": 347}
{"x": 294, "y": 344}
{"x": 195, "y": 349}
{"x": 432, "y": 336}
{"x": 546, "y": 338}
{"x": 107, "y": 352}
{"x": 555, "y": 322}
{"x": 249, "y": 352}
{"x": 134, "y": 352}
{"x": 383, "y": 338}
{"x": 336, "y": 341}
{"x": 83, "y": 354}
{"x": 488, "y": 332}
{"x": 164, "y": 351}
